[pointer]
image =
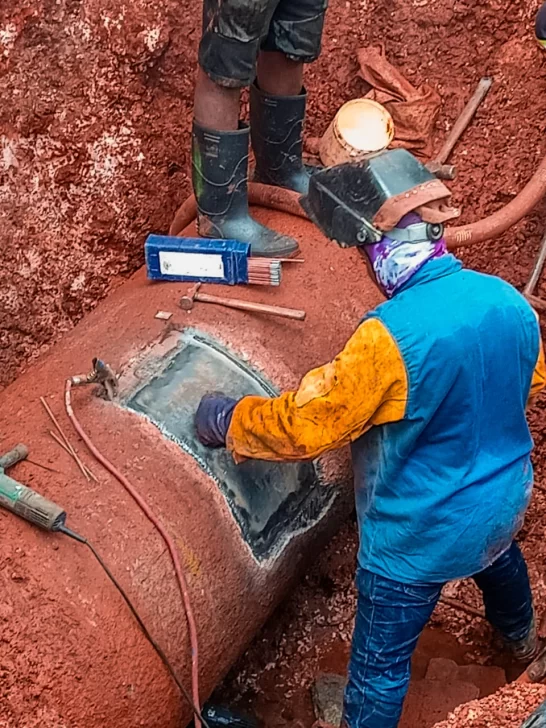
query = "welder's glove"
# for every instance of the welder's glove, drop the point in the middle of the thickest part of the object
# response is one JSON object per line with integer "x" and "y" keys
{"x": 213, "y": 418}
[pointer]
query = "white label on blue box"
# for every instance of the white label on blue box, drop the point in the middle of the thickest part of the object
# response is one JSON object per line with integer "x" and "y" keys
{"x": 196, "y": 265}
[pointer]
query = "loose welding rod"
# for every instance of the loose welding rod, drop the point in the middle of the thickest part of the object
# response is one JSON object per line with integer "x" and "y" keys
{"x": 83, "y": 467}
{"x": 536, "y": 302}
{"x": 64, "y": 437}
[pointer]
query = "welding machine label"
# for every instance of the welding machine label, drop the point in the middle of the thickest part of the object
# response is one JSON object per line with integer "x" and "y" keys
{"x": 197, "y": 265}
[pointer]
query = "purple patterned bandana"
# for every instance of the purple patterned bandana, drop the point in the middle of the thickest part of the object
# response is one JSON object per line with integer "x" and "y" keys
{"x": 395, "y": 262}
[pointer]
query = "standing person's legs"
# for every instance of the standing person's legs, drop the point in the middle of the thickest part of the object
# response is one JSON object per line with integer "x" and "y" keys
{"x": 233, "y": 31}
{"x": 390, "y": 617}
{"x": 278, "y": 98}
{"x": 509, "y": 603}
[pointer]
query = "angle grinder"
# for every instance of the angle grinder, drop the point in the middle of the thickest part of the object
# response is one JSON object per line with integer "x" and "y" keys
{"x": 27, "y": 503}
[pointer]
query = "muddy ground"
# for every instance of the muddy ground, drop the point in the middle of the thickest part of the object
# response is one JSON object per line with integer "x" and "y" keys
{"x": 95, "y": 116}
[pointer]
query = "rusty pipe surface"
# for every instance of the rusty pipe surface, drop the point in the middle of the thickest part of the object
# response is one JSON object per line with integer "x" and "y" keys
{"x": 503, "y": 219}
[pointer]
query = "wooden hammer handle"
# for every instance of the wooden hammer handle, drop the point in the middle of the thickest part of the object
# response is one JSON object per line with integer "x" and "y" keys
{"x": 290, "y": 313}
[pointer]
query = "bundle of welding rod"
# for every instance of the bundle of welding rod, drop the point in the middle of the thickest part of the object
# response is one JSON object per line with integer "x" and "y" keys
{"x": 210, "y": 260}
{"x": 264, "y": 271}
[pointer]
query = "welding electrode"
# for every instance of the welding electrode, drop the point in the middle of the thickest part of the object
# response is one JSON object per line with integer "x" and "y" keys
{"x": 34, "y": 508}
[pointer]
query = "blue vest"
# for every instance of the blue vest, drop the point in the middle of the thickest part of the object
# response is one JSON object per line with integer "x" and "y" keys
{"x": 442, "y": 493}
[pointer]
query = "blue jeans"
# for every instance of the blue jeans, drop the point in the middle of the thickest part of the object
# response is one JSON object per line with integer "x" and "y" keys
{"x": 391, "y": 616}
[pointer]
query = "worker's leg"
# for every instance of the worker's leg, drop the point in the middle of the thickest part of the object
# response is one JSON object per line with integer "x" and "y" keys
{"x": 390, "y": 617}
{"x": 233, "y": 31}
{"x": 278, "y": 99}
{"x": 215, "y": 106}
{"x": 279, "y": 75}
{"x": 509, "y": 603}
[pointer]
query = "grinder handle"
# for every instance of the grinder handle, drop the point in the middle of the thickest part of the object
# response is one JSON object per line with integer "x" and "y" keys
{"x": 30, "y": 505}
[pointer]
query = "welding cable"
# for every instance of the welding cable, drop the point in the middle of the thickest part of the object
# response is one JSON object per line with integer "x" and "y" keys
{"x": 144, "y": 629}
{"x": 145, "y": 508}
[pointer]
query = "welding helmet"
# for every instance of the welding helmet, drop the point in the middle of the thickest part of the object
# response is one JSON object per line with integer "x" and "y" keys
{"x": 357, "y": 203}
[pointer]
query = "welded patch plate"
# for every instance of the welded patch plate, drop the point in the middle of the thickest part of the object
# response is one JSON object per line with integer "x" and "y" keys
{"x": 268, "y": 500}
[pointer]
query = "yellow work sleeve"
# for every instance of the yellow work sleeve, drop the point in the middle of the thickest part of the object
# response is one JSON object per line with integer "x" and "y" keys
{"x": 539, "y": 376}
{"x": 366, "y": 384}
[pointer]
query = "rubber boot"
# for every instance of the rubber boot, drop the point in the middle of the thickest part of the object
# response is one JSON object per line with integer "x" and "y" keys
{"x": 528, "y": 648}
{"x": 220, "y": 183}
{"x": 276, "y": 127}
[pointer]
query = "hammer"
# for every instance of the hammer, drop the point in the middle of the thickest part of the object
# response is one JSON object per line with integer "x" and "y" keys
{"x": 187, "y": 301}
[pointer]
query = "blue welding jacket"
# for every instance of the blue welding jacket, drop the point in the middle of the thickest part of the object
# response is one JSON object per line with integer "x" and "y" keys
{"x": 442, "y": 493}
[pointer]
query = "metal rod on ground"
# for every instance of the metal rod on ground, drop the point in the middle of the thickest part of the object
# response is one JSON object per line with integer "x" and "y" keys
{"x": 456, "y": 604}
{"x": 537, "y": 269}
{"x": 44, "y": 467}
{"x": 536, "y": 302}
{"x": 64, "y": 437}
{"x": 66, "y": 449}
{"x": 466, "y": 116}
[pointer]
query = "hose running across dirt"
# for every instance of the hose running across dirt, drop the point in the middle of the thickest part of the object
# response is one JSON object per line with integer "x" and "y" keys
{"x": 145, "y": 508}
{"x": 277, "y": 198}
{"x": 500, "y": 221}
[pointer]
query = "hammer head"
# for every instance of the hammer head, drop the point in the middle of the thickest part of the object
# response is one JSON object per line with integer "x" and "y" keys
{"x": 186, "y": 302}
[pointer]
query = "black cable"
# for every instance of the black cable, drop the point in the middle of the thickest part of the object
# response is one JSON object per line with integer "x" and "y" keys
{"x": 157, "y": 648}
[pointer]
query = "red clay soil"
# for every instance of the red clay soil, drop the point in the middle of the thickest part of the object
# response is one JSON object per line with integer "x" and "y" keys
{"x": 507, "y": 709}
{"x": 94, "y": 127}
{"x": 59, "y": 618}
{"x": 95, "y": 119}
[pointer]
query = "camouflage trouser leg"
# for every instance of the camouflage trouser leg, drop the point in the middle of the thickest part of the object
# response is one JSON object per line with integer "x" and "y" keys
{"x": 234, "y": 31}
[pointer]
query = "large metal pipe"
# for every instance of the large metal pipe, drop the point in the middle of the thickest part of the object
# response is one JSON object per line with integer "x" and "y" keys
{"x": 71, "y": 651}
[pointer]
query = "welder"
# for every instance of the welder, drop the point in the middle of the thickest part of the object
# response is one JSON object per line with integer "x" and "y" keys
{"x": 431, "y": 393}
{"x": 263, "y": 44}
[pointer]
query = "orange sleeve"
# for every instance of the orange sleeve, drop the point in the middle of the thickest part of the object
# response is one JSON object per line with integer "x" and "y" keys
{"x": 365, "y": 385}
{"x": 539, "y": 376}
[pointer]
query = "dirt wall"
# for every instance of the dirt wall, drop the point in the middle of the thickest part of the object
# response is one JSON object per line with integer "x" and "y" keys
{"x": 94, "y": 119}
{"x": 95, "y": 107}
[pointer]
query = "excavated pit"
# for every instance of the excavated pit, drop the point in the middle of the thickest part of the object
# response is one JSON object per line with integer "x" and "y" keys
{"x": 94, "y": 129}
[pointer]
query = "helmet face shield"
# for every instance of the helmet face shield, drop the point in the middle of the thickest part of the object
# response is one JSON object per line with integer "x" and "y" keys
{"x": 355, "y": 204}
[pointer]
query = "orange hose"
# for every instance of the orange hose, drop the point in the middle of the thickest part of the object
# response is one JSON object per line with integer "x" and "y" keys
{"x": 274, "y": 198}
{"x": 145, "y": 508}
{"x": 500, "y": 221}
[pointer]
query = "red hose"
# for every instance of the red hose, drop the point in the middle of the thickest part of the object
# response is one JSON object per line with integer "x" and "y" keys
{"x": 145, "y": 508}
{"x": 274, "y": 198}
{"x": 503, "y": 219}
{"x": 489, "y": 227}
